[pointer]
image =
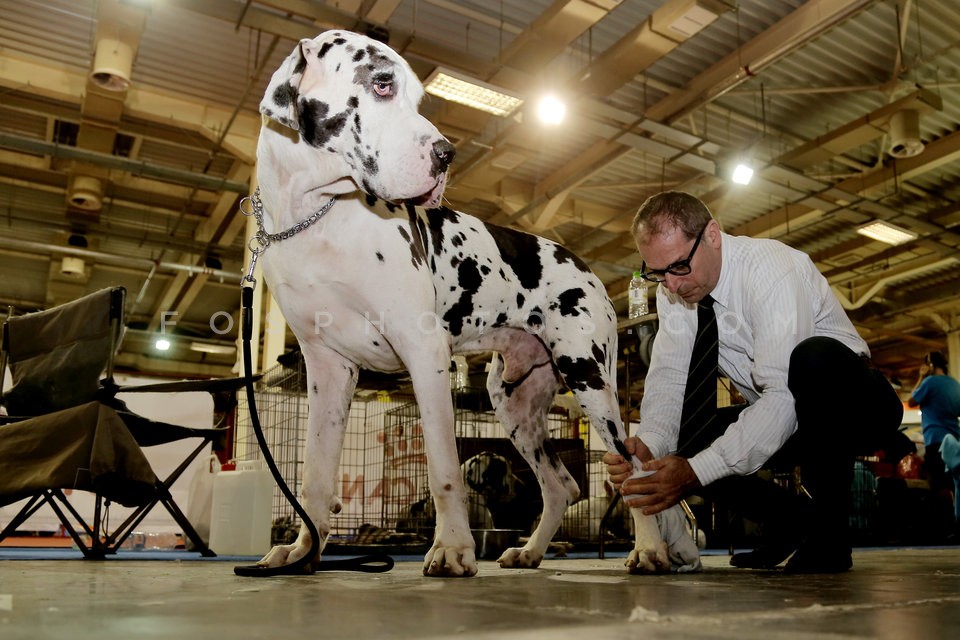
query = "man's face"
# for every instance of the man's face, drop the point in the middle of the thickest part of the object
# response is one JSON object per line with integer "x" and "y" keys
{"x": 671, "y": 250}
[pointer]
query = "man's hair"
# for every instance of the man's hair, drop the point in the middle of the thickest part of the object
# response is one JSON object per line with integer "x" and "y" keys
{"x": 937, "y": 359}
{"x": 671, "y": 209}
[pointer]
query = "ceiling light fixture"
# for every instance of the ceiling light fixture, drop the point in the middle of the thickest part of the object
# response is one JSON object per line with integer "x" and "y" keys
{"x": 883, "y": 231}
{"x": 461, "y": 89}
{"x": 551, "y": 110}
{"x": 162, "y": 344}
{"x": 742, "y": 173}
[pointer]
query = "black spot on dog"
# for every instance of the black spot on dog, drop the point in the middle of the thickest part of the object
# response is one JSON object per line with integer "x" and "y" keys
{"x": 356, "y": 122}
{"x": 501, "y": 320}
{"x": 404, "y": 233}
{"x": 326, "y": 46}
{"x": 621, "y": 448}
{"x": 370, "y": 199}
{"x": 436, "y": 219}
{"x": 562, "y": 254}
{"x": 315, "y": 128}
{"x": 370, "y": 165}
{"x": 598, "y": 353}
{"x": 568, "y": 301}
{"x": 520, "y": 300}
{"x": 358, "y": 56}
{"x": 580, "y": 374}
{"x": 521, "y": 252}
{"x": 339, "y": 41}
{"x": 380, "y": 257}
{"x": 469, "y": 280}
{"x": 417, "y": 249}
{"x": 284, "y": 95}
{"x": 316, "y": 389}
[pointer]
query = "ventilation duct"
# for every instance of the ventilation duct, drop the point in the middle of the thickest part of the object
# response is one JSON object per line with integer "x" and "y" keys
{"x": 112, "y": 64}
{"x": 905, "y": 139}
{"x": 72, "y": 267}
{"x": 85, "y": 193}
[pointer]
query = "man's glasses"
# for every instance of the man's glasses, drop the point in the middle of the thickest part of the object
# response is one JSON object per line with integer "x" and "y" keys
{"x": 678, "y": 268}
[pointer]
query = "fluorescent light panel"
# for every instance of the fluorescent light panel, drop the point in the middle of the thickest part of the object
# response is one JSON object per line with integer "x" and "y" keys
{"x": 454, "y": 87}
{"x": 884, "y": 231}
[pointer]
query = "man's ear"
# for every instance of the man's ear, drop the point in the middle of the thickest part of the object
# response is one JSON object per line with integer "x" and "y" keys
{"x": 713, "y": 233}
{"x": 280, "y": 99}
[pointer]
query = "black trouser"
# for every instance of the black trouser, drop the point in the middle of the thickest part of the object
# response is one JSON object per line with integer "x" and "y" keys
{"x": 829, "y": 434}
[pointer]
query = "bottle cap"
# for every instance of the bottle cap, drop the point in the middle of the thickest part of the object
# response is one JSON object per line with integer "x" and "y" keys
{"x": 636, "y": 274}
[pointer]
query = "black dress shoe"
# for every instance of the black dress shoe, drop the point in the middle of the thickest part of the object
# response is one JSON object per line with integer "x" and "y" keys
{"x": 766, "y": 556}
{"x": 820, "y": 558}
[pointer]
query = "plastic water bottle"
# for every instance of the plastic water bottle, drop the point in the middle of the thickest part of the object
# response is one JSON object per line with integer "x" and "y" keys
{"x": 637, "y": 297}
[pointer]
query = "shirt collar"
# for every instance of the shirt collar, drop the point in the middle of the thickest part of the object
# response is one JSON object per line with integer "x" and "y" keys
{"x": 721, "y": 292}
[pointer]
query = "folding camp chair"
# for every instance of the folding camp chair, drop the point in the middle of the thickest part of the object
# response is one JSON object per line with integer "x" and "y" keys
{"x": 66, "y": 429}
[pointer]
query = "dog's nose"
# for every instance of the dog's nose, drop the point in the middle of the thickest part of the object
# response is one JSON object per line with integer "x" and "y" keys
{"x": 443, "y": 154}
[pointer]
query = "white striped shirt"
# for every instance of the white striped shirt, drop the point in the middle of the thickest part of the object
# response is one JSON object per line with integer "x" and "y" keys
{"x": 769, "y": 298}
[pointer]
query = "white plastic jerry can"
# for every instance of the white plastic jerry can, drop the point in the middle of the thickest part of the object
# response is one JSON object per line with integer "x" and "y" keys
{"x": 240, "y": 519}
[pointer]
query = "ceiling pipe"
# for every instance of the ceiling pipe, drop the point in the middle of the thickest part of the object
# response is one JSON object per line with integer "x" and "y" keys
{"x": 169, "y": 174}
{"x": 107, "y": 258}
{"x": 850, "y": 304}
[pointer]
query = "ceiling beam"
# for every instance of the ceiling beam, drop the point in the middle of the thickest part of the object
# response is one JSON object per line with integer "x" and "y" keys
{"x": 808, "y": 21}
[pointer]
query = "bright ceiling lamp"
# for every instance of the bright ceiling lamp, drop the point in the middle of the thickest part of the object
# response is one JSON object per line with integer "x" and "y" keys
{"x": 458, "y": 88}
{"x": 884, "y": 231}
{"x": 162, "y": 344}
{"x": 551, "y": 110}
{"x": 742, "y": 173}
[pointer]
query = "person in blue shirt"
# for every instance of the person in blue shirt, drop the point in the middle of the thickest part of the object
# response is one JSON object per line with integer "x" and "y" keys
{"x": 938, "y": 396}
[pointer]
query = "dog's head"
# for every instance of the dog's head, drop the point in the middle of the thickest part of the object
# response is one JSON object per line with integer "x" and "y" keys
{"x": 355, "y": 100}
{"x": 490, "y": 475}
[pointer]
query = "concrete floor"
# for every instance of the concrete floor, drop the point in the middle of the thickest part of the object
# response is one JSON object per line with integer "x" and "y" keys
{"x": 890, "y": 593}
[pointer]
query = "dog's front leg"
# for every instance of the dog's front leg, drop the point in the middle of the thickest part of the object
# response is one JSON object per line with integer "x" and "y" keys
{"x": 331, "y": 380}
{"x": 452, "y": 553}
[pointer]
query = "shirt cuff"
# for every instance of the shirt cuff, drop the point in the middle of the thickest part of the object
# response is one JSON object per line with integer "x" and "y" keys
{"x": 656, "y": 443}
{"x": 709, "y": 466}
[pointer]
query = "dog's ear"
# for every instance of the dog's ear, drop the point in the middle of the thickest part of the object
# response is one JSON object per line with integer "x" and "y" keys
{"x": 280, "y": 99}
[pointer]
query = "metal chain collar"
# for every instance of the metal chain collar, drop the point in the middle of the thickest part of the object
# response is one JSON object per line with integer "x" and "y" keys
{"x": 252, "y": 206}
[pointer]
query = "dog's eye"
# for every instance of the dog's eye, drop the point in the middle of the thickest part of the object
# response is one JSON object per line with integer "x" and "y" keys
{"x": 383, "y": 88}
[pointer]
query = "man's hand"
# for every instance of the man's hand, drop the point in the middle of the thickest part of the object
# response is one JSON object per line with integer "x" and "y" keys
{"x": 672, "y": 479}
{"x": 620, "y": 469}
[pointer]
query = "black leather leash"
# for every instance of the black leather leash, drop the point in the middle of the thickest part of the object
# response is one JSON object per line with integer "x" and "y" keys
{"x": 373, "y": 563}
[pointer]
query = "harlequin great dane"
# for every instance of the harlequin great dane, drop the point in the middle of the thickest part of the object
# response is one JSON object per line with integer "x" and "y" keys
{"x": 387, "y": 279}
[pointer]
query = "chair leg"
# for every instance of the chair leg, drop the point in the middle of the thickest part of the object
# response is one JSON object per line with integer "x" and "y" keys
{"x": 92, "y": 551}
{"x": 34, "y": 503}
{"x": 188, "y": 530}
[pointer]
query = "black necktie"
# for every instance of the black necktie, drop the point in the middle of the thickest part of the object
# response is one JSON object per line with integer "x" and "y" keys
{"x": 700, "y": 395}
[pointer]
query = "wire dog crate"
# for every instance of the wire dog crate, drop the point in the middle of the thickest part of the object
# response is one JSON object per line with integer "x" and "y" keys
{"x": 383, "y": 482}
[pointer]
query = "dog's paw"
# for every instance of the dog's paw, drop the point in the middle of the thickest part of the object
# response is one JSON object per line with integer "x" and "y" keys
{"x": 450, "y": 562}
{"x": 646, "y": 560}
{"x": 519, "y": 558}
{"x": 282, "y": 554}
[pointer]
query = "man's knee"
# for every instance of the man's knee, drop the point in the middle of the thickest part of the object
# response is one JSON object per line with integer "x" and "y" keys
{"x": 819, "y": 359}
